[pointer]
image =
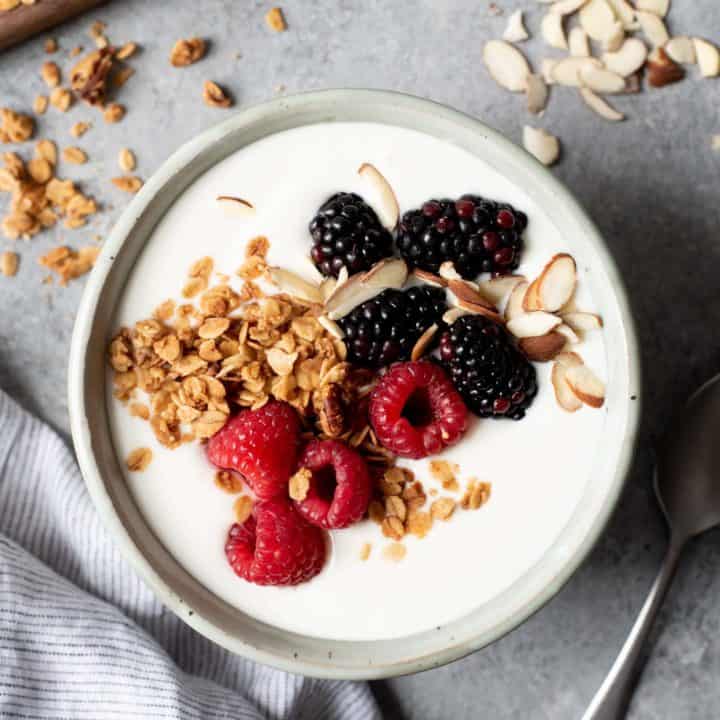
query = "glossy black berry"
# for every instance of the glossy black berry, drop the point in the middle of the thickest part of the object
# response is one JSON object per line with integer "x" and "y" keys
{"x": 382, "y": 330}
{"x": 493, "y": 377}
{"x": 476, "y": 234}
{"x": 347, "y": 232}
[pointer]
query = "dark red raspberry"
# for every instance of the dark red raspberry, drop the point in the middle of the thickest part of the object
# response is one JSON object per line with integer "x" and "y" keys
{"x": 262, "y": 445}
{"x": 275, "y": 546}
{"x": 416, "y": 411}
{"x": 340, "y": 485}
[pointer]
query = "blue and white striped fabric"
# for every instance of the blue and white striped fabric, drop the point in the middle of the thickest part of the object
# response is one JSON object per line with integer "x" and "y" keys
{"x": 82, "y": 637}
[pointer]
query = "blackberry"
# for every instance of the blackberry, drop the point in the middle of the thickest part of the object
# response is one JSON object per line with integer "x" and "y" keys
{"x": 382, "y": 330}
{"x": 476, "y": 234}
{"x": 493, "y": 377}
{"x": 346, "y": 231}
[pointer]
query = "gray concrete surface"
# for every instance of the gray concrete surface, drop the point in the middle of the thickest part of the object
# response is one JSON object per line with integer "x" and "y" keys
{"x": 651, "y": 184}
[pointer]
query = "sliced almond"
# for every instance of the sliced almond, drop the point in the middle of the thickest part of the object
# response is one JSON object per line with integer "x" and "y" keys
{"x": 586, "y": 385}
{"x": 653, "y": 28}
{"x": 465, "y": 291}
{"x": 327, "y": 286}
{"x": 582, "y": 321}
{"x": 708, "y": 57}
{"x": 506, "y": 64}
{"x": 681, "y": 49}
{"x": 475, "y": 308}
{"x": 540, "y": 143}
{"x": 625, "y": 13}
{"x": 598, "y": 20}
{"x": 567, "y": 70}
{"x": 496, "y": 289}
{"x": 578, "y": 42}
{"x": 388, "y": 273}
{"x": 331, "y": 326}
{"x": 628, "y": 59}
{"x": 602, "y": 81}
{"x": 556, "y": 284}
{"x": 547, "y": 65}
{"x": 514, "y": 306}
{"x": 570, "y": 335}
{"x": 537, "y": 93}
{"x": 615, "y": 39}
{"x": 553, "y": 33}
{"x": 600, "y": 106}
{"x": 387, "y": 207}
{"x": 566, "y": 7}
{"x": 662, "y": 69}
{"x": 294, "y": 285}
{"x": 451, "y": 315}
{"x": 515, "y": 30}
{"x": 235, "y": 206}
{"x": 423, "y": 343}
{"x": 659, "y": 7}
{"x": 429, "y": 278}
{"x": 569, "y": 359}
{"x": 533, "y": 324}
{"x": 542, "y": 348}
{"x": 565, "y": 397}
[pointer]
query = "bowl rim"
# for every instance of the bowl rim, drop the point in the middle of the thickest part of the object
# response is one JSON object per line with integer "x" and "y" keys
{"x": 78, "y": 399}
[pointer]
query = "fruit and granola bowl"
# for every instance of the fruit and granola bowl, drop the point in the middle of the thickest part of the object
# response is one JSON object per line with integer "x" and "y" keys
{"x": 358, "y": 400}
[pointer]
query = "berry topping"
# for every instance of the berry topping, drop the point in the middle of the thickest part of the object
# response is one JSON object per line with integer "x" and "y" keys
{"x": 339, "y": 489}
{"x": 347, "y": 232}
{"x": 476, "y": 234}
{"x": 275, "y": 546}
{"x": 385, "y": 329}
{"x": 261, "y": 445}
{"x": 415, "y": 411}
{"x": 494, "y": 378}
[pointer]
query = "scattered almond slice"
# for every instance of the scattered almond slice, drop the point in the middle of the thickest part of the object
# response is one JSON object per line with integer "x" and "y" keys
{"x": 602, "y": 81}
{"x": 582, "y": 320}
{"x": 514, "y": 306}
{"x": 586, "y": 385}
{"x": 465, "y": 291}
{"x": 327, "y": 286}
{"x": 653, "y": 28}
{"x": 578, "y": 42}
{"x": 451, "y": 315}
{"x": 429, "y": 278}
{"x": 331, "y": 326}
{"x": 708, "y": 57}
{"x": 681, "y": 49}
{"x": 566, "y": 7}
{"x": 388, "y": 273}
{"x": 474, "y": 308}
{"x": 565, "y": 397}
{"x": 537, "y": 93}
{"x": 506, "y": 64}
{"x": 235, "y": 206}
{"x": 533, "y": 324}
{"x": 540, "y": 143}
{"x": 570, "y": 335}
{"x": 547, "y": 65}
{"x": 569, "y": 359}
{"x": 555, "y": 285}
{"x": 388, "y": 208}
{"x": 294, "y": 285}
{"x": 615, "y": 39}
{"x": 423, "y": 343}
{"x": 553, "y": 33}
{"x": 628, "y": 59}
{"x": 625, "y": 13}
{"x": 447, "y": 271}
{"x": 542, "y": 348}
{"x": 662, "y": 69}
{"x": 600, "y": 106}
{"x": 496, "y": 289}
{"x": 515, "y": 30}
{"x": 567, "y": 70}
{"x": 598, "y": 20}
{"x": 659, "y": 7}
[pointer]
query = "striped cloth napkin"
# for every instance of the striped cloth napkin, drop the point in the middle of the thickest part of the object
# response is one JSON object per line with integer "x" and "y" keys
{"x": 82, "y": 637}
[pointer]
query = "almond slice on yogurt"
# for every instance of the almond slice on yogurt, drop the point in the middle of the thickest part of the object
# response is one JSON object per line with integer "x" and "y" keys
{"x": 388, "y": 208}
{"x": 554, "y": 286}
{"x": 498, "y": 288}
{"x": 542, "y": 348}
{"x": 582, "y": 321}
{"x": 586, "y": 385}
{"x": 294, "y": 285}
{"x": 564, "y": 395}
{"x": 464, "y": 291}
{"x": 236, "y": 206}
{"x": 429, "y": 278}
{"x": 514, "y": 306}
{"x": 506, "y": 64}
{"x": 533, "y": 324}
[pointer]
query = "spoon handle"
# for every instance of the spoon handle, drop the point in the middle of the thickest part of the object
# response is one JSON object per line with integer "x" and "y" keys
{"x": 612, "y": 700}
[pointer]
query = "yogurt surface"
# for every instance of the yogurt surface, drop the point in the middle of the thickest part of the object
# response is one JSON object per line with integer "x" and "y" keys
{"x": 538, "y": 467}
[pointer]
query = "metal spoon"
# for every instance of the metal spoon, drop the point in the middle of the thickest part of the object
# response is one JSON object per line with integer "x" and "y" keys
{"x": 687, "y": 486}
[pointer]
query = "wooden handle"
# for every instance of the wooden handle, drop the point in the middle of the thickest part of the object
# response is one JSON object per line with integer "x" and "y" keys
{"x": 28, "y": 20}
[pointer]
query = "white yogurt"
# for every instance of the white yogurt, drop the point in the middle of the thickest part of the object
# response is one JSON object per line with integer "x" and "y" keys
{"x": 538, "y": 467}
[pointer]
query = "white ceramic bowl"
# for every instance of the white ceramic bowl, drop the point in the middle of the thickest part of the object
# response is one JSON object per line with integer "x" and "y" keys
{"x": 181, "y": 592}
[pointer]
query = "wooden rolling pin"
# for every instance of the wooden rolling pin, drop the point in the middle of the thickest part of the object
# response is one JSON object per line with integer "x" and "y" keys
{"x": 25, "y": 21}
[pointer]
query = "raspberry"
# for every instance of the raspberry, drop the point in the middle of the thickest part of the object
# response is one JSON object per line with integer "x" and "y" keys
{"x": 416, "y": 411}
{"x": 261, "y": 445}
{"x": 275, "y": 546}
{"x": 339, "y": 490}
